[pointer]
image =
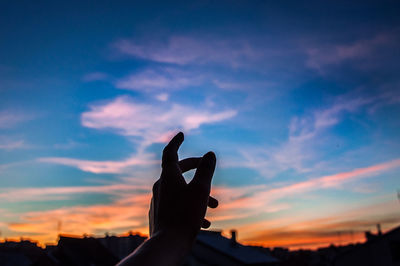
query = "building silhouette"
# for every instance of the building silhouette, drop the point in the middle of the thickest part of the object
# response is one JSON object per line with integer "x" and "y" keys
{"x": 210, "y": 248}
{"x": 379, "y": 249}
{"x": 23, "y": 253}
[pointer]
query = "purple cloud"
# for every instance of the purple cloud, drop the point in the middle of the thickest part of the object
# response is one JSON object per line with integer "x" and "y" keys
{"x": 164, "y": 79}
{"x": 323, "y": 56}
{"x": 182, "y": 50}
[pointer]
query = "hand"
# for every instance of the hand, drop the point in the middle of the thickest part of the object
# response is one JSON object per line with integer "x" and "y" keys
{"x": 178, "y": 208}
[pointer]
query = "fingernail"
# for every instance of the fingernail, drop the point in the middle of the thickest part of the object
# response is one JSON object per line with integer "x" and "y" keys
{"x": 210, "y": 156}
{"x": 180, "y": 135}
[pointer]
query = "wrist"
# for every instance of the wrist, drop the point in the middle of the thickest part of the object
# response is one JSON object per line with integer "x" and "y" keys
{"x": 172, "y": 246}
{"x": 162, "y": 248}
{"x": 175, "y": 237}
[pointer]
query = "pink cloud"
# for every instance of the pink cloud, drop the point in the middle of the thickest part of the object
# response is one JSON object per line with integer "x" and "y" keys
{"x": 311, "y": 232}
{"x": 149, "y": 122}
{"x": 184, "y": 50}
{"x": 11, "y": 145}
{"x": 238, "y": 207}
{"x": 252, "y": 200}
{"x": 103, "y": 166}
{"x": 46, "y": 193}
{"x": 325, "y": 182}
{"x": 165, "y": 79}
{"x": 336, "y": 54}
{"x": 163, "y": 97}
{"x": 9, "y": 118}
{"x": 95, "y": 76}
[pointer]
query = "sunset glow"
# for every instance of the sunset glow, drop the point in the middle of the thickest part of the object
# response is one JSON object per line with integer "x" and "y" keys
{"x": 300, "y": 103}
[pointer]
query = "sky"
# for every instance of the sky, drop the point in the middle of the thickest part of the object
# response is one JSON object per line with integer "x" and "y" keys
{"x": 300, "y": 102}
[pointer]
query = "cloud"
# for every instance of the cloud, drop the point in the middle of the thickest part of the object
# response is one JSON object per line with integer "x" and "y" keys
{"x": 98, "y": 167}
{"x": 160, "y": 79}
{"x": 70, "y": 144}
{"x": 144, "y": 123}
{"x": 183, "y": 50}
{"x": 308, "y": 127}
{"x": 95, "y": 76}
{"x": 332, "y": 181}
{"x": 252, "y": 200}
{"x": 48, "y": 193}
{"x": 11, "y": 145}
{"x": 320, "y": 57}
{"x": 150, "y": 123}
{"x": 229, "y": 84}
{"x": 163, "y": 97}
{"x": 9, "y": 118}
{"x": 128, "y": 213}
{"x": 303, "y": 137}
{"x": 340, "y": 229}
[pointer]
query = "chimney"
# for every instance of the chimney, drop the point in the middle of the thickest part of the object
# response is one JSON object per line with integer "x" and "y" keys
{"x": 378, "y": 227}
{"x": 233, "y": 237}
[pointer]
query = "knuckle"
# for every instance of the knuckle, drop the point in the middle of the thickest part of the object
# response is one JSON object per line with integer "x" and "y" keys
{"x": 204, "y": 187}
{"x": 155, "y": 186}
{"x": 167, "y": 151}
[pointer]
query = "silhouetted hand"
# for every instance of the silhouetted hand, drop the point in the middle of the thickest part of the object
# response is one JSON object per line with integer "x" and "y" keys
{"x": 179, "y": 208}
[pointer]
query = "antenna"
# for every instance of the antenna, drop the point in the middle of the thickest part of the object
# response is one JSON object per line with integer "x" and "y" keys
{"x": 340, "y": 237}
{"x": 398, "y": 194}
{"x": 59, "y": 226}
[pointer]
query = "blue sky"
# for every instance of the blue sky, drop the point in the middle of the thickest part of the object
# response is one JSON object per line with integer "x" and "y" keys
{"x": 299, "y": 101}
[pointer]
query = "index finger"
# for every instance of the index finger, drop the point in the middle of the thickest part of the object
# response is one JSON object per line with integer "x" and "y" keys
{"x": 170, "y": 152}
{"x": 205, "y": 170}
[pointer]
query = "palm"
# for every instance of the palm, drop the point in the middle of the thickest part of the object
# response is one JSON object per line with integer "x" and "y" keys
{"x": 176, "y": 205}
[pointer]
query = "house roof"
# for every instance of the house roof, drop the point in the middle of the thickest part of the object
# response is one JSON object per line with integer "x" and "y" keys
{"x": 85, "y": 251}
{"x": 364, "y": 246}
{"x": 237, "y": 251}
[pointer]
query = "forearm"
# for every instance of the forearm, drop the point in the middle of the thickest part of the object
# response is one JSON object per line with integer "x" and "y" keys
{"x": 160, "y": 249}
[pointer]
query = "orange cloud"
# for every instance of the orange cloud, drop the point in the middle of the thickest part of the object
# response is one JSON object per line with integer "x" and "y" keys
{"x": 46, "y": 193}
{"x": 251, "y": 200}
{"x": 121, "y": 216}
{"x": 339, "y": 228}
{"x": 239, "y": 208}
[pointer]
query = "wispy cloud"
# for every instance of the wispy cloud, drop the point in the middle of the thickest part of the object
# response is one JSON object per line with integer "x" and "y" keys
{"x": 162, "y": 97}
{"x": 98, "y": 167}
{"x": 70, "y": 144}
{"x": 184, "y": 50}
{"x": 252, "y": 200}
{"x": 129, "y": 212}
{"x": 144, "y": 123}
{"x": 47, "y": 193}
{"x": 340, "y": 228}
{"x": 320, "y": 57}
{"x": 304, "y": 131}
{"x": 10, "y": 118}
{"x": 11, "y": 144}
{"x": 160, "y": 79}
{"x": 332, "y": 181}
{"x": 309, "y": 126}
{"x": 95, "y": 76}
{"x": 149, "y": 122}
